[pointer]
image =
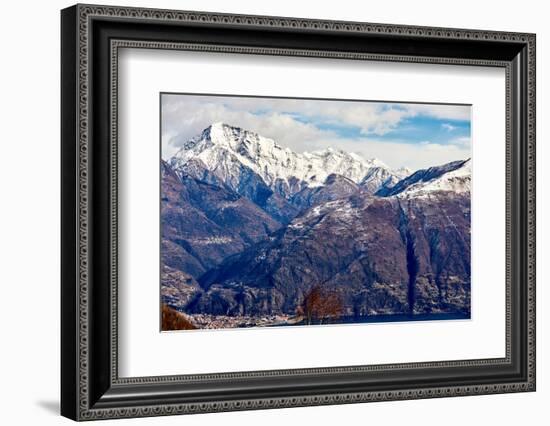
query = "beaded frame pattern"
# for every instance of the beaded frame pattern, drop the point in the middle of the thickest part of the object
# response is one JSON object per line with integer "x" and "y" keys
{"x": 86, "y": 12}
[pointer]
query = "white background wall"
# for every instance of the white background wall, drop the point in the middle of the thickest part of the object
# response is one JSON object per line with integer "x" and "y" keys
{"x": 29, "y": 212}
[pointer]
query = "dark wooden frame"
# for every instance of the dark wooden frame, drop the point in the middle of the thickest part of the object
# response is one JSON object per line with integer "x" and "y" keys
{"x": 91, "y": 37}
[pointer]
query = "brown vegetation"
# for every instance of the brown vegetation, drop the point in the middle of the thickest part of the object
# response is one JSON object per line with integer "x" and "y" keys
{"x": 173, "y": 320}
{"x": 319, "y": 304}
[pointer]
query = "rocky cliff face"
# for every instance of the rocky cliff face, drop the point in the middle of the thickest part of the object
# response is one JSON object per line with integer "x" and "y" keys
{"x": 202, "y": 224}
{"x": 383, "y": 256}
{"x": 249, "y": 227}
{"x": 334, "y": 188}
{"x": 178, "y": 288}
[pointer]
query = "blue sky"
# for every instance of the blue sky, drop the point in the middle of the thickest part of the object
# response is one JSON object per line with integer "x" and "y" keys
{"x": 400, "y": 134}
{"x": 417, "y": 129}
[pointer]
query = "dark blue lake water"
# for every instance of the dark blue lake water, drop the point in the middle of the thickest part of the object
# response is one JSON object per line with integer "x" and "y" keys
{"x": 391, "y": 318}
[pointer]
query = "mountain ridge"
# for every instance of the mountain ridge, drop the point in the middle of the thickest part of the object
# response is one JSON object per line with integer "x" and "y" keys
{"x": 391, "y": 255}
{"x": 249, "y": 227}
{"x": 453, "y": 176}
{"x": 229, "y": 152}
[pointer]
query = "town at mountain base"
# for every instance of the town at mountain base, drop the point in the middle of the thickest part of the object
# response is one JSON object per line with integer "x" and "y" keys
{"x": 254, "y": 234}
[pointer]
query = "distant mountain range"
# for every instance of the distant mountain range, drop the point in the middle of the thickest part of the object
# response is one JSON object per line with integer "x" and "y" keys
{"x": 268, "y": 174}
{"x": 249, "y": 226}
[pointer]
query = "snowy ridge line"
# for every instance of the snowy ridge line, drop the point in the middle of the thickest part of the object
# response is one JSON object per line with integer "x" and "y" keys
{"x": 228, "y": 151}
{"x": 451, "y": 177}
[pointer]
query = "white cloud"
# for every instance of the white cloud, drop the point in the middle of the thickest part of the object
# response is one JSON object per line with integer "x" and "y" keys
{"x": 397, "y": 154}
{"x": 463, "y": 141}
{"x": 180, "y": 122}
{"x": 447, "y": 126}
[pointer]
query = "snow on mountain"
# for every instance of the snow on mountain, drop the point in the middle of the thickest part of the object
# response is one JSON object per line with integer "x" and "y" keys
{"x": 402, "y": 172}
{"x": 382, "y": 177}
{"x": 231, "y": 153}
{"x": 454, "y": 176}
{"x": 334, "y": 188}
{"x": 321, "y": 164}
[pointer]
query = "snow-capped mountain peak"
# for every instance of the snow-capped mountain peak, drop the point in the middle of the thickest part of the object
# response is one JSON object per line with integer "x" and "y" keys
{"x": 226, "y": 136}
{"x": 231, "y": 153}
{"x": 454, "y": 176}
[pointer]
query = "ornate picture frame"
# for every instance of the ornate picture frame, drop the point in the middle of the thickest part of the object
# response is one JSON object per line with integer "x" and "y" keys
{"x": 91, "y": 37}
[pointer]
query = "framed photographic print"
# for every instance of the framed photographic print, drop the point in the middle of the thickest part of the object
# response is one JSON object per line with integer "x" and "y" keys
{"x": 263, "y": 212}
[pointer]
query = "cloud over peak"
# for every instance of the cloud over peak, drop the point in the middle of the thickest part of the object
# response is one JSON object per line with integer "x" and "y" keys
{"x": 373, "y": 129}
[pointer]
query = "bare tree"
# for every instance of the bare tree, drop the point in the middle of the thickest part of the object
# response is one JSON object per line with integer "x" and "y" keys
{"x": 173, "y": 320}
{"x": 319, "y": 304}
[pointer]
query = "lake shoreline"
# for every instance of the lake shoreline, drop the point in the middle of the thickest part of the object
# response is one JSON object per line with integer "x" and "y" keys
{"x": 204, "y": 321}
